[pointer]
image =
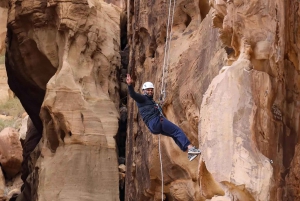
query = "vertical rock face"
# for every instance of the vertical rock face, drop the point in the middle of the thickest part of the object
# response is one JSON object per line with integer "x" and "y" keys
{"x": 2, "y": 185}
{"x": 5, "y": 92}
{"x": 229, "y": 151}
{"x": 272, "y": 49}
{"x": 3, "y": 20}
{"x": 62, "y": 62}
{"x": 247, "y": 123}
{"x": 231, "y": 77}
{"x": 78, "y": 113}
{"x": 4, "y": 89}
{"x": 195, "y": 57}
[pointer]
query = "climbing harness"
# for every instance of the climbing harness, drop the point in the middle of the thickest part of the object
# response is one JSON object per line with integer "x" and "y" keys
{"x": 157, "y": 106}
{"x": 163, "y": 85}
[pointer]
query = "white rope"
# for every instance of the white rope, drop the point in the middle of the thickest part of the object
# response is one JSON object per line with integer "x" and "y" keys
{"x": 161, "y": 170}
{"x": 167, "y": 49}
{"x": 163, "y": 86}
{"x": 168, "y": 55}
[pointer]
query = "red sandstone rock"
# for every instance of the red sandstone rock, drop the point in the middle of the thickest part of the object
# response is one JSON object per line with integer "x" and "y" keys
{"x": 10, "y": 152}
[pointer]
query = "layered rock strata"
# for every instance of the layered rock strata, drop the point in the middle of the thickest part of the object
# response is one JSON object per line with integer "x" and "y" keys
{"x": 246, "y": 123}
{"x": 62, "y": 63}
{"x": 232, "y": 85}
{"x": 195, "y": 57}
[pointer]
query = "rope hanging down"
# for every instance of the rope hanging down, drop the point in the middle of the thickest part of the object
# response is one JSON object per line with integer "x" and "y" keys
{"x": 163, "y": 85}
{"x": 167, "y": 51}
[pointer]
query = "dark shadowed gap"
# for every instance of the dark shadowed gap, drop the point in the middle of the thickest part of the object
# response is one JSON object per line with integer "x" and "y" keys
{"x": 122, "y": 130}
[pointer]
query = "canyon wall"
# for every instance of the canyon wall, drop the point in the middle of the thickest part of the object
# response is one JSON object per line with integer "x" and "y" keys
{"x": 232, "y": 85}
{"x": 231, "y": 82}
{"x": 62, "y": 61}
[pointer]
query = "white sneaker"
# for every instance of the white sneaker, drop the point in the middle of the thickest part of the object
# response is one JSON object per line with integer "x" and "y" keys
{"x": 192, "y": 156}
{"x": 193, "y": 150}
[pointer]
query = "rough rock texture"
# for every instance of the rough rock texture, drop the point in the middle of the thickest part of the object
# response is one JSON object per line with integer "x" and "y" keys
{"x": 5, "y": 92}
{"x": 10, "y": 152}
{"x": 24, "y": 127}
{"x": 2, "y": 185}
{"x": 247, "y": 124}
{"x": 62, "y": 63}
{"x": 232, "y": 85}
{"x": 3, "y": 20}
{"x": 119, "y": 3}
{"x": 268, "y": 33}
{"x": 79, "y": 114}
{"x": 195, "y": 58}
{"x": 13, "y": 188}
{"x": 32, "y": 138}
{"x": 231, "y": 155}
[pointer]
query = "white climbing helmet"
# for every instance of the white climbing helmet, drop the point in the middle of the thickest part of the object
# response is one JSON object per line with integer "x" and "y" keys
{"x": 148, "y": 85}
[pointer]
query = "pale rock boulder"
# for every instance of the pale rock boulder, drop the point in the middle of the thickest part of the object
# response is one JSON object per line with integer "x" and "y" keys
{"x": 229, "y": 150}
{"x": 10, "y": 152}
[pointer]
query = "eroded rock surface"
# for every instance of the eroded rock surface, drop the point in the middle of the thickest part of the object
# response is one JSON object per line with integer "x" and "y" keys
{"x": 249, "y": 117}
{"x": 3, "y": 22}
{"x": 2, "y": 185}
{"x": 195, "y": 57}
{"x": 10, "y": 152}
{"x": 232, "y": 85}
{"x": 274, "y": 82}
{"x": 231, "y": 155}
{"x": 5, "y": 92}
{"x": 63, "y": 60}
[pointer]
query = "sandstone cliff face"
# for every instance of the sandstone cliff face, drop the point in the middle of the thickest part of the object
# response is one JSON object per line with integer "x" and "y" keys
{"x": 265, "y": 38}
{"x": 62, "y": 62}
{"x": 3, "y": 19}
{"x": 195, "y": 58}
{"x": 79, "y": 131}
{"x": 247, "y": 122}
{"x": 232, "y": 84}
{"x": 5, "y": 92}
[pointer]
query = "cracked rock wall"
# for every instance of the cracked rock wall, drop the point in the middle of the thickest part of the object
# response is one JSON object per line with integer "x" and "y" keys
{"x": 232, "y": 86}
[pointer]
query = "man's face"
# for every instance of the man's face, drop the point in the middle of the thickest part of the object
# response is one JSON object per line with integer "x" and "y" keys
{"x": 149, "y": 92}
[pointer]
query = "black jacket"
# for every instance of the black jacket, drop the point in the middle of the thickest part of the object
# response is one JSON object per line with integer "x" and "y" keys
{"x": 148, "y": 109}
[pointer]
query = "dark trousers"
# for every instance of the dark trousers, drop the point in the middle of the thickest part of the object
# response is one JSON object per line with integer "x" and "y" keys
{"x": 161, "y": 125}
